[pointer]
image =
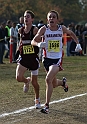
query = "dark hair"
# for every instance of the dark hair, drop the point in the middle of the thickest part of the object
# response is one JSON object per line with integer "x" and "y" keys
{"x": 8, "y": 22}
{"x": 54, "y": 11}
{"x": 14, "y": 23}
{"x": 30, "y": 12}
{"x": 40, "y": 21}
{"x": 3, "y": 23}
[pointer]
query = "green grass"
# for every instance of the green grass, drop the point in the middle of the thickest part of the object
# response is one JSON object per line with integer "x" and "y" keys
{"x": 68, "y": 112}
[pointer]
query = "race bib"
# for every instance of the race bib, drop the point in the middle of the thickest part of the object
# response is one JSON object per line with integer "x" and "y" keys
{"x": 53, "y": 46}
{"x": 28, "y": 49}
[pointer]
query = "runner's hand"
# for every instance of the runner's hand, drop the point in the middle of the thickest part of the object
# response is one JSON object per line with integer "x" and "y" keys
{"x": 78, "y": 48}
{"x": 42, "y": 44}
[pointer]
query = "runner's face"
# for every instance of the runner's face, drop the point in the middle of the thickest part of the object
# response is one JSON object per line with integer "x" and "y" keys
{"x": 27, "y": 18}
{"x": 52, "y": 19}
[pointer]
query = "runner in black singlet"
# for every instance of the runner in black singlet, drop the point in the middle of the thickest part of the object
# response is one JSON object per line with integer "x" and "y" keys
{"x": 28, "y": 56}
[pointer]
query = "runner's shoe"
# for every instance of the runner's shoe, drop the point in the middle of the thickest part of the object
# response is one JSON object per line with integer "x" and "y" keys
{"x": 65, "y": 86}
{"x": 45, "y": 109}
{"x": 37, "y": 104}
{"x": 26, "y": 85}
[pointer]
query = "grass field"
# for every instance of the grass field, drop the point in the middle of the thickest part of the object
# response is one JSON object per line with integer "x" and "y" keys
{"x": 72, "y": 110}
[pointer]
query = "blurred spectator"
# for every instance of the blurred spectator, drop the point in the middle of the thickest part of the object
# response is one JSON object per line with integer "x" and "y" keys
{"x": 8, "y": 26}
{"x": 73, "y": 26}
{"x": 81, "y": 41}
{"x": 85, "y": 39}
{"x": 3, "y": 34}
{"x": 78, "y": 32}
{"x": 69, "y": 40}
{"x": 40, "y": 24}
{"x": 19, "y": 25}
{"x": 14, "y": 37}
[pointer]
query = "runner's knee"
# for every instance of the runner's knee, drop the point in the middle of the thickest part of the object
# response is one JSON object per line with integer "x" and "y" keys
{"x": 48, "y": 80}
{"x": 19, "y": 78}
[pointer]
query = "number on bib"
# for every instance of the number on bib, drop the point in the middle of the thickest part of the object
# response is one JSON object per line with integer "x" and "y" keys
{"x": 28, "y": 49}
{"x": 53, "y": 46}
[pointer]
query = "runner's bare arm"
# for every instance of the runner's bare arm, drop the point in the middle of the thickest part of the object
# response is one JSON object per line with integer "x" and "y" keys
{"x": 37, "y": 38}
{"x": 71, "y": 33}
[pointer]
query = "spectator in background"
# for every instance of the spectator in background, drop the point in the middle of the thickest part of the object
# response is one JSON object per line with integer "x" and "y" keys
{"x": 78, "y": 32}
{"x": 84, "y": 33}
{"x": 69, "y": 40}
{"x": 14, "y": 37}
{"x": 40, "y": 24}
{"x": 8, "y": 26}
{"x": 73, "y": 26}
{"x": 21, "y": 22}
{"x": 3, "y": 34}
{"x": 19, "y": 25}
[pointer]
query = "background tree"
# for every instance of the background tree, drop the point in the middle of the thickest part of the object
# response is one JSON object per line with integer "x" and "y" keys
{"x": 69, "y": 10}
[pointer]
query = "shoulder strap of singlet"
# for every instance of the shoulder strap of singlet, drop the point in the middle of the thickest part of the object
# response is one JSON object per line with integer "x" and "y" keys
{"x": 31, "y": 32}
{"x": 32, "y": 28}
